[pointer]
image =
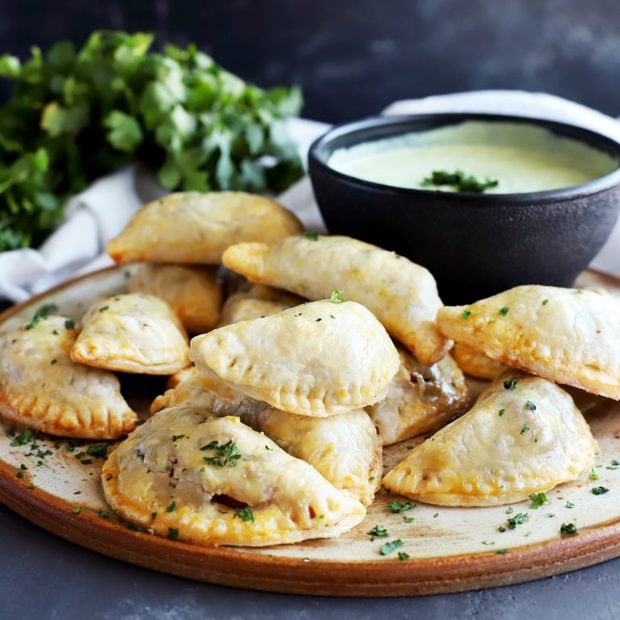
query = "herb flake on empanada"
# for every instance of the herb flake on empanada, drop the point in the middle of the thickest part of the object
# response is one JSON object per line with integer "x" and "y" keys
{"x": 570, "y": 336}
{"x": 524, "y": 435}
{"x": 344, "y": 449}
{"x": 134, "y": 333}
{"x": 193, "y": 227}
{"x": 401, "y": 294}
{"x": 192, "y": 292}
{"x": 317, "y": 359}
{"x": 40, "y": 387}
{"x": 216, "y": 481}
{"x": 421, "y": 398}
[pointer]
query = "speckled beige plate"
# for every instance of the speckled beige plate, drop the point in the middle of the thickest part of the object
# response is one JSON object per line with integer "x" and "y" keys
{"x": 449, "y": 549}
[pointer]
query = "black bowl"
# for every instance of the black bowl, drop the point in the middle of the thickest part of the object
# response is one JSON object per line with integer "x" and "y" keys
{"x": 474, "y": 244}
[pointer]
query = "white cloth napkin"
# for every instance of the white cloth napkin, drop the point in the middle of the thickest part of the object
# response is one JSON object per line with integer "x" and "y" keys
{"x": 102, "y": 210}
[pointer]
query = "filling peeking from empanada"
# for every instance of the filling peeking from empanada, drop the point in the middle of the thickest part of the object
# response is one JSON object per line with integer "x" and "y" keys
{"x": 344, "y": 449}
{"x": 215, "y": 481}
{"x": 421, "y": 398}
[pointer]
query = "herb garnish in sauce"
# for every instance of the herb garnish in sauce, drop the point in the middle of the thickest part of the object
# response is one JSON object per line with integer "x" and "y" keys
{"x": 41, "y": 313}
{"x": 460, "y": 181}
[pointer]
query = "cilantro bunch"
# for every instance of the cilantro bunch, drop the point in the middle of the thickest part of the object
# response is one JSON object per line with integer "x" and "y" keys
{"x": 75, "y": 115}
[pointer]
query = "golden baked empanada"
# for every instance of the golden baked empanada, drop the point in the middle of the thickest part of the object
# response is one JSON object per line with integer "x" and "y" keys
{"x": 191, "y": 227}
{"x": 192, "y": 292}
{"x": 42, "y": 388}
{"x": 257, "y": 302}
{"x": 524, "y": 435}
{"x": 317, "y": 359}
{"x": 215, "y": 481}
{"x": 421, "y": 398}
{"x": 344, "y": 449}
{"x": 570, "y": 336}
{"x": 132, "y": 333}
{"x": 475, "y": 363}
{"x": 401, "y": 294}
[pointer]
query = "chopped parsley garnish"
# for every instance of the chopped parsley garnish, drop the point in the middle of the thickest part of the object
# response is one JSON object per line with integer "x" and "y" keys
{"x": 177, "y": 437}
{"x": 545, "y": 302}
{"x": 519, "y": 519}
{"x": 171, "y": 506}
{"x": 388, "y": 547}
{"x": 511, "y": 384}
{"x": 593, "y": 474}
{"x": 41, "y": 313}
{"x": 460, "y": 181}
{"x": 173, "y": 533}
{"x": 530, "y": 405}
{"x": 337, "y": 296}
{"x": 245, "y": 514}
{"x": 503, "y": 551}
{"x": 509, "y": 510}
{"x": 98, "y": 449}
{"x": 488, "y": 542}
{"x": 313, "y": 236}
{"x": 403, "y": 555}
{"x": 524, "y": 429}
{"x": 23, "y": 438}
{"x": 570, "y": 529}
{"x": 69, "y": 324}
{"x": 396, "y": 506}
{"x": 407, "y": 519}
{"x": 569, "y": 505}
{"x": 104, "y": 308}
{"x": 377, "y": 532}
{"x": 104, "y": 514}
{"x": 501, "y": 412}
{"x": 225, "y": 455}
{"x": 465, "y": 314}
{"x": 538, "y": 499}
{"x": 600, "y": 490}
{"x": 504, "y": 311}
{"x": 76, "y": 510}
{"x": 54, "y": 361}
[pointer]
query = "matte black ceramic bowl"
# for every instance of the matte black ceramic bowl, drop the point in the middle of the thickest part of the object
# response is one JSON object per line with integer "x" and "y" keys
{"x": 474, "y": 244}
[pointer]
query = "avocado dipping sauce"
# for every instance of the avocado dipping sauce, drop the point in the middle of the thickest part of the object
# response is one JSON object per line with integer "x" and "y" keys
{"x": 522, "y": 158}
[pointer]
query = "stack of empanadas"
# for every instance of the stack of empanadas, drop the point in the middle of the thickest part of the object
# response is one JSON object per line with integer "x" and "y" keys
{"x": 272, "y": 428}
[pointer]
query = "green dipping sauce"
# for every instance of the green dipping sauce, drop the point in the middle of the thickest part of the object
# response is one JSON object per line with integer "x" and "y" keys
{"x": 522, "y": 158}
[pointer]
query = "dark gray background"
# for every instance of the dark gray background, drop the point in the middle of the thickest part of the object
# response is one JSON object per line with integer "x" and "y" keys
{"x": 352, "y": 57}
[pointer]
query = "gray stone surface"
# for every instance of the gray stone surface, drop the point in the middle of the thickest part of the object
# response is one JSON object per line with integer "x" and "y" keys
{"x": 44, "y": 577}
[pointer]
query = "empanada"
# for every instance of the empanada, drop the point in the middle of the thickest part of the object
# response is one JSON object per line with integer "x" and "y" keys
{"x": 401, "y": 294}
{"x": 570, "y": 336}
{"x": 132, "y": 333}
{"x": 192, "y": 292}
{"x": 257, "y": 302}
{"x": 215, "y": 481}
{"x": 524, "y": 435}
{"x": 40, "y": 387}
{"x": 191, "y": 227}
{"x": 475, "y": 363}
{"x": 344, "y": 449}
{"x": 317, "y": 359}
{"x": 421, "y": 398}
